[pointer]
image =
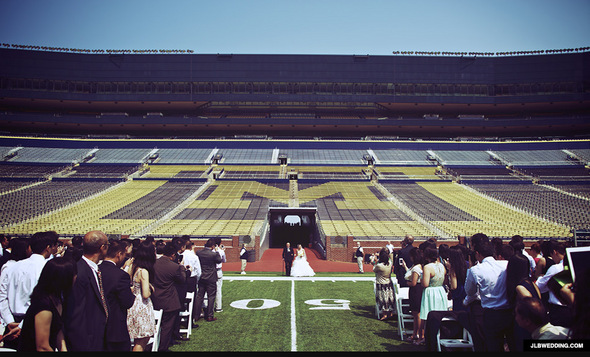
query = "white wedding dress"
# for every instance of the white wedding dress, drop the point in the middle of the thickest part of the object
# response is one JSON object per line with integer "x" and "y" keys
{"x": 300, "y": 265}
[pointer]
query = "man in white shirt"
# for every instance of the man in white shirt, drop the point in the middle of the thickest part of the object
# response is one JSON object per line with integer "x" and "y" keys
{"x": 489, "y": 279}
{"x": 559, "y": 313}
{"x": 220, "y": 249}
{"x": 192, "y": 263}
{"x": 19, "y": 280}
{"x": 243, "y": 259}
{"x": 359, "y": 254}
{"x": 390, "y": 250}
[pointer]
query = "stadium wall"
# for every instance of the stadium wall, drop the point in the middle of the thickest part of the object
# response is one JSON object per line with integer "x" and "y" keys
{"x": 378, "y": 79}
{"x": 294, "y": 144}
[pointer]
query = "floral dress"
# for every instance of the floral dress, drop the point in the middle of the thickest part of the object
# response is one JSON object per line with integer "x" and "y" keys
{"x": 141, "y": 321}
{"x": 384, "y": 294}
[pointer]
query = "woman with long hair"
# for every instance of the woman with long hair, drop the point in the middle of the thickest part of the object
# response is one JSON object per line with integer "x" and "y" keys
{"x": 43, "y": 324}
{"x": 384, "y": 295}
{"x": 434, "y": 296}
{"x": 414, "y": 280}
{"x": 140, "y": 317}
{"x": 520, "y": 285}
{"x": 457, "y": 267}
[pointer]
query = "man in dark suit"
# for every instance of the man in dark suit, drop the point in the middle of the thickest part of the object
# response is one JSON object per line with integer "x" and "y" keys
{"x": 208, "y": 282}
{"x": 85, "y": 310}
{"x": 4, "y": 246}
{"x": 116, "y": 285}
{"x": 404, "y": 253}
{"x": 167, "y": 274}
{"x": 288, "y": 256}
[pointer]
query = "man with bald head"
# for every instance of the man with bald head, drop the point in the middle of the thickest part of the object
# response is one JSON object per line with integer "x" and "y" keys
{"x": 85, "y": 310}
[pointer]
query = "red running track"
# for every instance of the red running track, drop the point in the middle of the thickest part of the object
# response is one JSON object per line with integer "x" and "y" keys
{"x": 272, "y": 260}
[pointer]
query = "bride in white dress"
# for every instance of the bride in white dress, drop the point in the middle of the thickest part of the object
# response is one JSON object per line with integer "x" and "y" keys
{"x": 300, "y": 265}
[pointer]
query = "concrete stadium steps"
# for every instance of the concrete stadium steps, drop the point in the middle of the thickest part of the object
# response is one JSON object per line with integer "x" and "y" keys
{"x": 168, "y": 171}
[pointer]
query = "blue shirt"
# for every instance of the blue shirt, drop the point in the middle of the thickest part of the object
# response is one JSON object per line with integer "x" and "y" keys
{"x": 488, "y": 278}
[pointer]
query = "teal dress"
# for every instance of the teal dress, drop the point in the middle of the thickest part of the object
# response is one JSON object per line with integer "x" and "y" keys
{"x": 434, "y": 296}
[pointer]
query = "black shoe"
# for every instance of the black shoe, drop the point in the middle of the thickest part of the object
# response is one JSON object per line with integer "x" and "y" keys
{"x": 183, "y": 338}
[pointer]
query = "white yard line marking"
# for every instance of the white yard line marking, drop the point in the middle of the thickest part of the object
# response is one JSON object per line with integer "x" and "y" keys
{"x": 293, "y": 315}
{"x": 293, "y": 324}
{"x": 268, "y": 278}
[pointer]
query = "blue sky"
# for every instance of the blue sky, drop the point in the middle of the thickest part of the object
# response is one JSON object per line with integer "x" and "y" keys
{"x": 375, "y": 27}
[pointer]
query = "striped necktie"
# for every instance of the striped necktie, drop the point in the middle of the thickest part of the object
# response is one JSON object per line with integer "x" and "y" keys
{"x": 104, "y": 300}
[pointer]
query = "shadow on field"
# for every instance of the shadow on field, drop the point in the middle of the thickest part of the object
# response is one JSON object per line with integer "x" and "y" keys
{"x": 365, "y": 311}
{"x": 389, "y": 332}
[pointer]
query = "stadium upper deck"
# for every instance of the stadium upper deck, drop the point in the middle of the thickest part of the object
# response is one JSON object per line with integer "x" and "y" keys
{"x": 313, "y": 95}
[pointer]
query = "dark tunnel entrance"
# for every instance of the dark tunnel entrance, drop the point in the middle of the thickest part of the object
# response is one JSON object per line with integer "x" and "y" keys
{"x": 293, "y": 225}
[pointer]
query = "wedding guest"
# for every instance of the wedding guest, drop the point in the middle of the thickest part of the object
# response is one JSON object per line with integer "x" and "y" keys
{"x": 85, "y": 308}
{"x": 19, "y": 280}
{"x": 119, "y": 297}
{"x": 43, "y": 323}
{"x": 532, "y": 316}
{"x": 384, "y": 295}
{"x": 413, "y": 279}
{"x": 167, "y": 274}
{"x": 434, "y": 296}
{"x": 140, "y": 316}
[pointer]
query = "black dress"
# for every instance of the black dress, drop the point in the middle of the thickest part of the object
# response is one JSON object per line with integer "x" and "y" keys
{"x": 27, "y": 337}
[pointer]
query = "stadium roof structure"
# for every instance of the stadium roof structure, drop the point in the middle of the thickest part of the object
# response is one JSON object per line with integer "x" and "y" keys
{"x": 204, "y": 95}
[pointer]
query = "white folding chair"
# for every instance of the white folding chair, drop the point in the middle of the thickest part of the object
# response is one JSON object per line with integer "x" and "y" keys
{"x": 377, "y": 310}
{"x": 402, "y": 302}
{"x": 187, "y": 315}
{"x": 155, "y": 340}
{"x": 454, "y": 343}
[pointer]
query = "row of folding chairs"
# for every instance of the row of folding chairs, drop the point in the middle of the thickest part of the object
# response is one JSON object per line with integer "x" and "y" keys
{"x": 185, "y": 317}
{"x": 405, "y": 322}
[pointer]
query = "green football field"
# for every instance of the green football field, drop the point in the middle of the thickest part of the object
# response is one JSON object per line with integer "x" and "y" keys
{"x": 329, "y": 312}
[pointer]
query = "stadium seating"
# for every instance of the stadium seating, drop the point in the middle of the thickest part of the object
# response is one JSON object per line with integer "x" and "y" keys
{"x": 180, "y": 191}
{"x": 542, "y": 202}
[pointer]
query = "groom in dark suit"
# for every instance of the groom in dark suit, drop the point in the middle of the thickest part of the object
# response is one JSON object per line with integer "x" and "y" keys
{"x": 288, "y": 256}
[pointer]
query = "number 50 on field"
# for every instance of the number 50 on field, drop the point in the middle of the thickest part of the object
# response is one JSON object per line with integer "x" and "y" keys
{"x": 317, "y": 304}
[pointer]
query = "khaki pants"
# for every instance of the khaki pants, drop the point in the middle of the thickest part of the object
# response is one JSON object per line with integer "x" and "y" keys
{"x": 359, "y": 261}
